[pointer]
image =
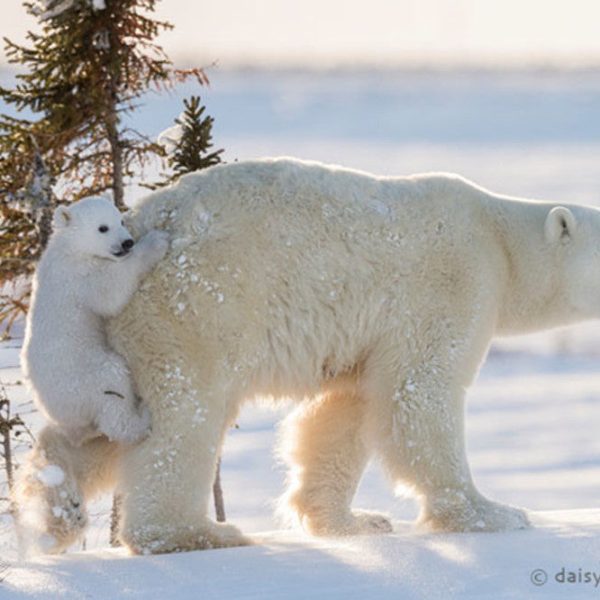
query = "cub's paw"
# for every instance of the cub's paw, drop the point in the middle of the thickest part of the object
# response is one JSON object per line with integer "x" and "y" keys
{"x": 155, "y": 244}
{"x": 142, "y": 426}
{"x": 51, "y": 511}
{"x": 135, "y": 430}
{"x": 65, "y": 524}
{"x": 120, "y": 421}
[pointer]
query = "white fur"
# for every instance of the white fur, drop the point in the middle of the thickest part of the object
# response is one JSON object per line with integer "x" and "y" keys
{"x": 371, "y": 301}
{"x": 83, "y": 278}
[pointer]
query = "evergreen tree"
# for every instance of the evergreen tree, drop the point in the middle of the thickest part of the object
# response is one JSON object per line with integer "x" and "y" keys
{"x": 188, "y": 143}
{"x": 88, "y": 67}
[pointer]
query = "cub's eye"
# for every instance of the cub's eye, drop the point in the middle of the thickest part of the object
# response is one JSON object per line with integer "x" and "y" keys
{"x": 123, "y": 223}
{"x": 103, "y": 228}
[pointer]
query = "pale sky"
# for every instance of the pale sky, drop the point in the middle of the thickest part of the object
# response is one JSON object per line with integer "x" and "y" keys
{"x": 330, "y": 32}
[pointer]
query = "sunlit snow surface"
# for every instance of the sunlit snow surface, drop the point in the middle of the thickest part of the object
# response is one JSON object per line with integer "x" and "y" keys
{"x": 289, "y": 565}
{"x": 533, "y": 415}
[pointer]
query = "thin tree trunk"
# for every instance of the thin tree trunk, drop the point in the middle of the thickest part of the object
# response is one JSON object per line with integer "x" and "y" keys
{"x": 41, "y": 197}
{"x": 112, "y": 132}
{"x": 218, "y": 495}
{"x": 6, "y": 425}
{"x": 7, "y": 452}
{"x": 115, "y": 517}
{"x": 45, "y": 227}
{"x": 116, "y": 153}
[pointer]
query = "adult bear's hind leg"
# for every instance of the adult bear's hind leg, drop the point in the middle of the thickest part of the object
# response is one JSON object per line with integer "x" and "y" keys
{"x": 327, "y": 453}
{"x": 166, "y": 480}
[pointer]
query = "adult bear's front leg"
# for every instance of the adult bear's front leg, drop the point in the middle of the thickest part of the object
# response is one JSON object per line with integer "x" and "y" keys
{"x": 421, "y": 441}
{"x": 167, "y": 480}
{"x": 415, "y": 383}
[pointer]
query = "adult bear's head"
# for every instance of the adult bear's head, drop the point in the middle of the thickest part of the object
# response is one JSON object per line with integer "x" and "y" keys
{"x": 573, "y": 237}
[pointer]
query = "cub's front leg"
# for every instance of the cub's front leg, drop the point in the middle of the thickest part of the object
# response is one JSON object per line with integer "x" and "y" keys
{"x": 110, "y": 289}
{"x": 151, "y": 248}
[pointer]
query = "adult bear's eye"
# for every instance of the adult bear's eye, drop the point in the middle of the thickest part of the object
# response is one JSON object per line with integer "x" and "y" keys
{"x": 103, "y": 228}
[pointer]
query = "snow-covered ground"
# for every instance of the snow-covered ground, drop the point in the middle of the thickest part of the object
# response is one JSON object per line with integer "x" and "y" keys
{"x": 533, "y": 414}
{"x": 535, "y": 564}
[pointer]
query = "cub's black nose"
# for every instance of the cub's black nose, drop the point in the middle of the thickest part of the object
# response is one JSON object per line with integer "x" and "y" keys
{"x": 127, "y": 244}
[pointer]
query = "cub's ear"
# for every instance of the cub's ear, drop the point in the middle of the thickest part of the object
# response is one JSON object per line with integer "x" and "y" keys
{"x": 560, "y": 225}
{"x": 62, "y": 217}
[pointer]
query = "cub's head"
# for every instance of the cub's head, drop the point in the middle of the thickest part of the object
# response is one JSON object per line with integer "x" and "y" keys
{"x": 573, "y": 234}
{"x": 93, "y": 227}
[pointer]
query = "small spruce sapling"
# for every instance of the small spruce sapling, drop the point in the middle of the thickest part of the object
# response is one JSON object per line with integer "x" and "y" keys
{"x": 188, "y": 144}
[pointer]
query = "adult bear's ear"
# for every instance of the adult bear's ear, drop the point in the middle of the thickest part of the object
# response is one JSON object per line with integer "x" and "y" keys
{"x": 62, "y": 217}
{"x": 560, "y": 225}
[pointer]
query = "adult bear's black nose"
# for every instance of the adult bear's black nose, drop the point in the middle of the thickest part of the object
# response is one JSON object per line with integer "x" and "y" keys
{"x": 127, "y": 244}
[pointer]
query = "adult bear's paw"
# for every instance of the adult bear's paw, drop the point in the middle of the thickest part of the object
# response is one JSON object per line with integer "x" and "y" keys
{"x": 459, "y": 512}
{"x": 359, "y": 522}
{"x": 222, "y": 535}
{"x": 210, "y": 535}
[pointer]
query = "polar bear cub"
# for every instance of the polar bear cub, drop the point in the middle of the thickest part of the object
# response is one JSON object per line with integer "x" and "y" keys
{"x": 88, "y": 272}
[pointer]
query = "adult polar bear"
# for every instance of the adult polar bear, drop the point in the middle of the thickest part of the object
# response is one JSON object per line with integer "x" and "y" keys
{"x": 371, "y": 300}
